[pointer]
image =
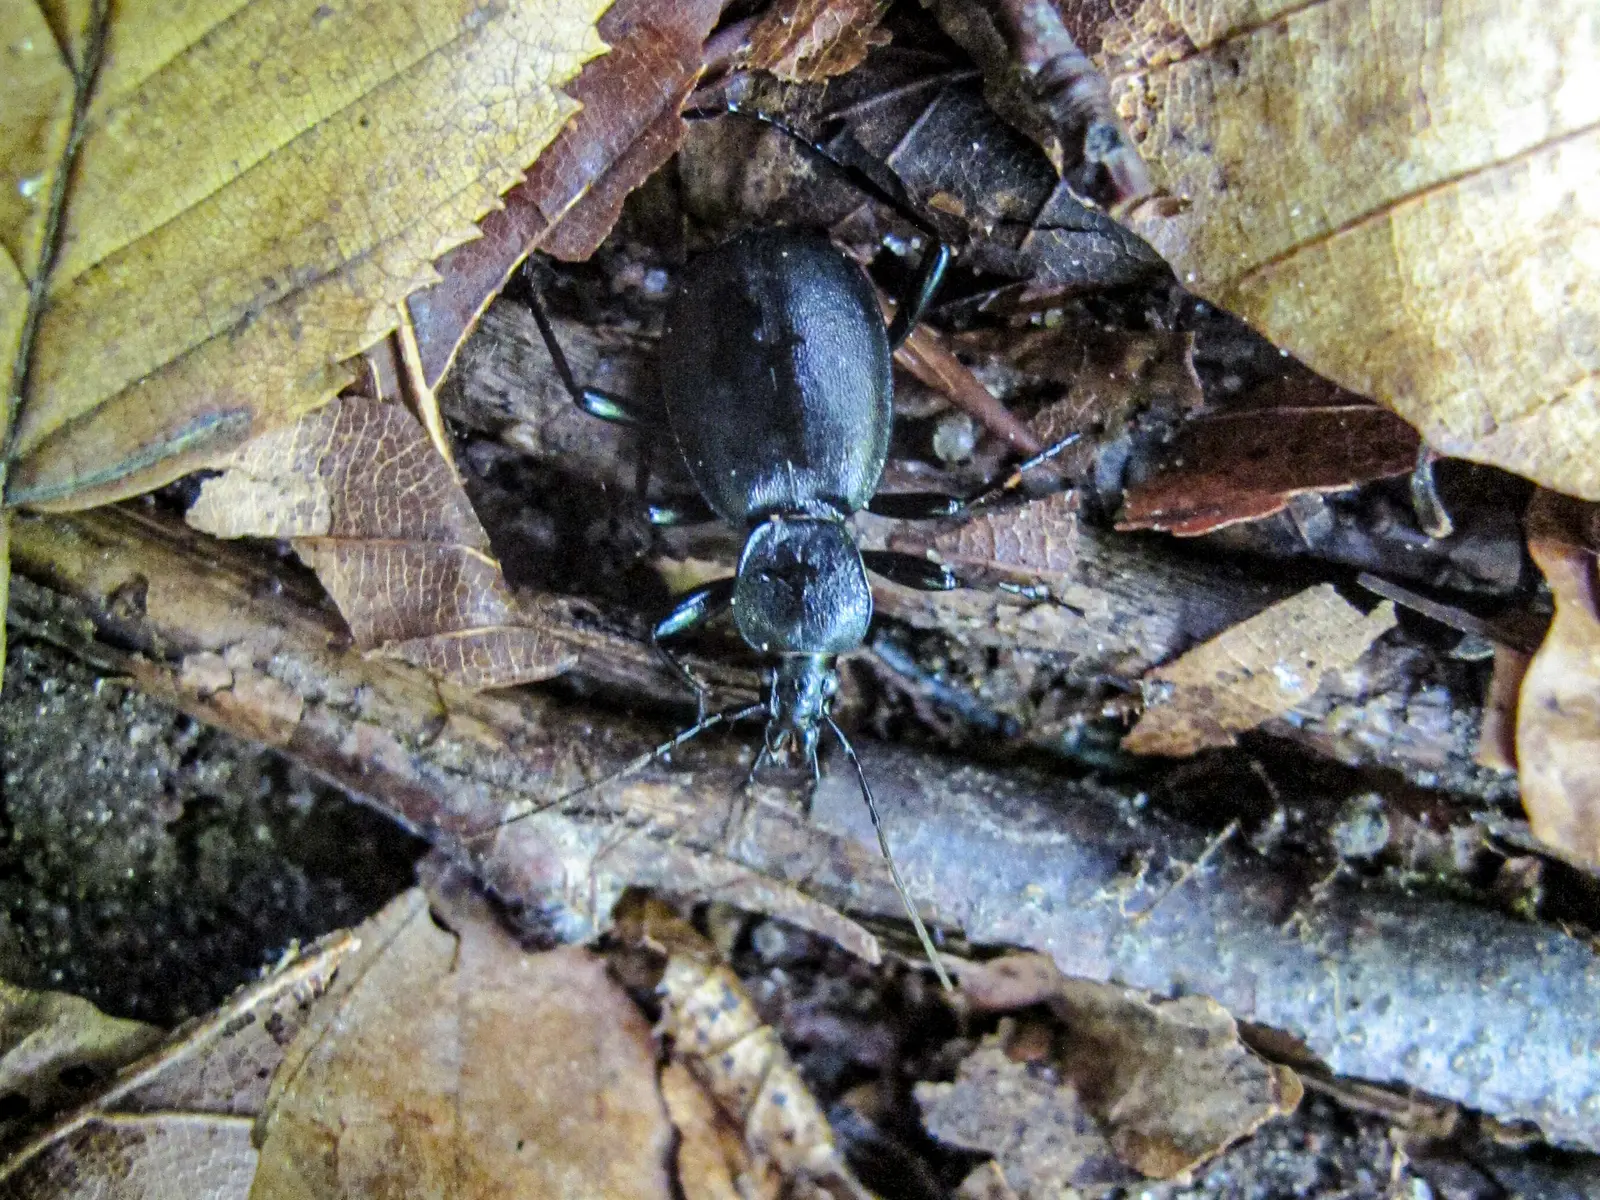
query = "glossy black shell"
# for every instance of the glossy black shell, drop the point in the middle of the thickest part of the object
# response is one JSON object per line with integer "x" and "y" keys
{"x": 776, "y": 371}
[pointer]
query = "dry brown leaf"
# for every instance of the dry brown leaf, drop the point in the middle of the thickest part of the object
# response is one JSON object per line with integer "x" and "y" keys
{"x": 179, "y": 1122}
{"x": 718, "y": 1034}
{"x": 1257, "y": 670}
{"x": 1400, "y": 195}
{"x": 1558, "y": 709}
{"x": 458, "y": 1064}
{"x": 143, "y": 1157}
{"x": 809, "y": 41}
{"x": 1041, "y": 1132}
{"x": 1241, "y": 466}
{"x": 1161, "y": 1085}
{"x": 260, "y": 185}
{"x": 1029, "y": 543}
{"x": 381, "y": 518}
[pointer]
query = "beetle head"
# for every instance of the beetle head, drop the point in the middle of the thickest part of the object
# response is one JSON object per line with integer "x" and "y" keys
{"x": 802, "y": 689}
{"x": 802, "y": 588}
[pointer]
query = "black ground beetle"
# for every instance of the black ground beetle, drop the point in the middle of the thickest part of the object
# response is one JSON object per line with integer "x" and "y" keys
{"x": 775, "y": 368}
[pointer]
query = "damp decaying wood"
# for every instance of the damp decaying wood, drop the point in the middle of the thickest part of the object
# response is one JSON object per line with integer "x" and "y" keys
{"x": 1079, "y": 871}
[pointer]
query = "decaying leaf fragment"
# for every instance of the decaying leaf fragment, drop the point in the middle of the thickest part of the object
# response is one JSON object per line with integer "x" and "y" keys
{"x": 1119, "y": 1080}
{"x": 1025, "y": 544}
{"x": 259, "y": 186}
{"x": 1259, "y": 669}
{"x": 381, "y": 518}
{"x": 458, "y": 1064}
{"x": 719, "y": 1036}
{"x": 1400, "y": 195}
{"x": 808, "y": 41}
{"x": 1558, "y": 708}
{"x": 179, "y": 1121}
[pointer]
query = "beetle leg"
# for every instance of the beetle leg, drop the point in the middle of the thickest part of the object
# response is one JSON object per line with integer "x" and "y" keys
{"x": 920, "y": 288}
{"x": 692, "y": 610}
{"x": 605, "y": 405}
{"x": 689, "y": 510}
{"x": 910, "y": 570}
{"x": 916, "y": 506}
{"x": 918, "y": 292}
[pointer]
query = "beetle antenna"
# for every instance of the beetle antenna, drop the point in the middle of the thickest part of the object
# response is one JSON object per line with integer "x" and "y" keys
{"x": 883, "y": 845}
{"x": 726, "y": 717}
{"x": 1014, "y": 480}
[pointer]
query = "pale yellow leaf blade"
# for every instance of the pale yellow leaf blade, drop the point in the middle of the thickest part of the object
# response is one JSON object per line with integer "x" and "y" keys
{"x": 1401, "y": 195}
{"x": 36, "y": 97}
{"x": 259, "y": 187}
{"x": 1257, "y": 670}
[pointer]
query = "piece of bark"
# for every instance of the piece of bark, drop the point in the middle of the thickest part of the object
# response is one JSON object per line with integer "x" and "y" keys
{"x": 1358, "y": 976}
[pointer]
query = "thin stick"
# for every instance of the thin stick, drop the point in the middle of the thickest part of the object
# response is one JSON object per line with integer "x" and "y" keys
{"x": 888, "y": 857}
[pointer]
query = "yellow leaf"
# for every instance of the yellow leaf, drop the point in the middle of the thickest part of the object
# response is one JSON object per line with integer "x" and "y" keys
{"x": 1402, "y": 195}
{"x": 259, "y": 185}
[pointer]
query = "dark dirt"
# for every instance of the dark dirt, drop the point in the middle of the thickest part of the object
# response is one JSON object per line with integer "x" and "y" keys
{"x": 152, "y": 864}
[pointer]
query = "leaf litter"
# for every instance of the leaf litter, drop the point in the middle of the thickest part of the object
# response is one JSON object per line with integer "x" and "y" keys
{"x": 1351, "y": 187}
{"x": 1558, "y": 706}
{"x": 372, "y": 507}
{"x": 1108, "y": 1086}
{"x": 1257, "y": 670}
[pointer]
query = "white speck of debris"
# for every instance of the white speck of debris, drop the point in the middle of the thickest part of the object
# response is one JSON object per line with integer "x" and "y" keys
{"x": 1288, "y": 678}
{"x": 29, "y": 187}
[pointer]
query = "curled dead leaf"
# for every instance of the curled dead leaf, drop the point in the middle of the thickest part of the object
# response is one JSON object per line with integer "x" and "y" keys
{"x": 180, "y": 1121}
{"x": 382, "y": 519}
{"x": 456, "y": 1063}
{"x": 1257, "y": 670}
{"x": 718, "y": 1034}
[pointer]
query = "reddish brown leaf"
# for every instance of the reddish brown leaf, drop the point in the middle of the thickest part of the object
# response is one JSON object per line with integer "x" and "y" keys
{"x": 1558, "y": 711}
{"x": 808, "y": 41}
{"x": 1242, "y": 466}
{"x": 628, "y": 127}
{"x": 381, "y": 518}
